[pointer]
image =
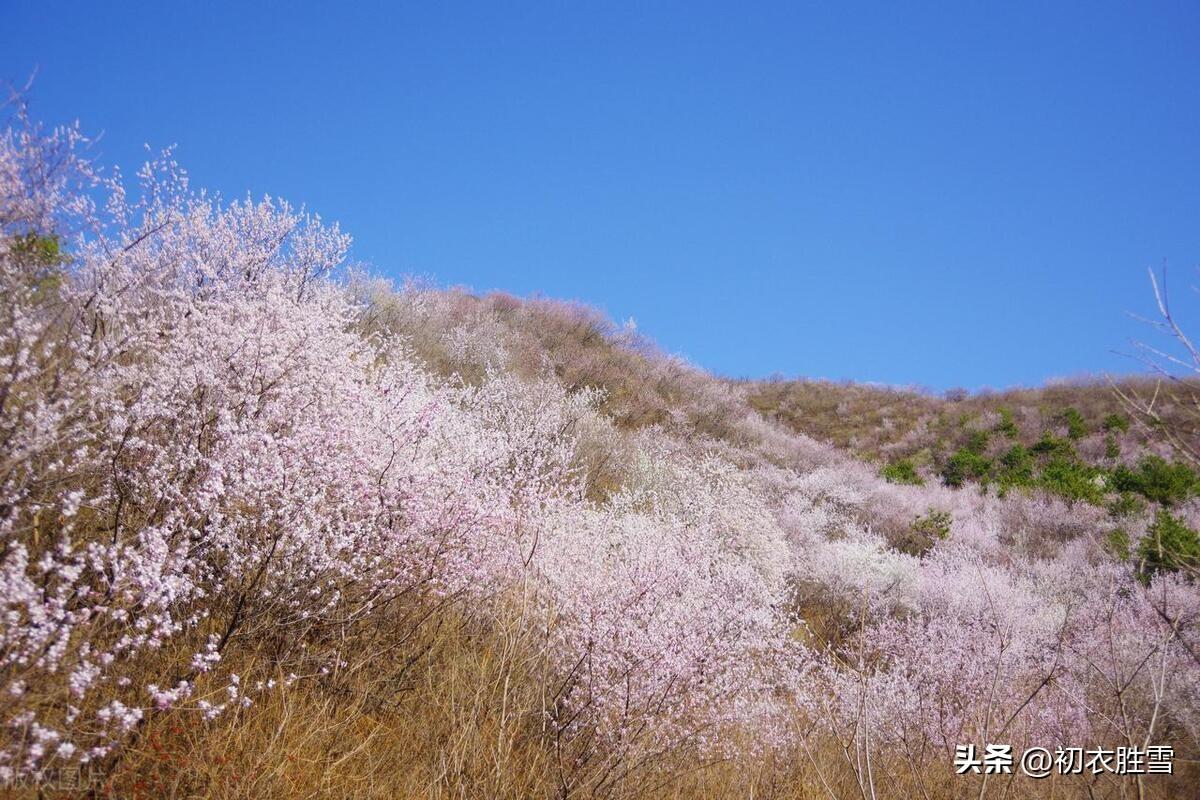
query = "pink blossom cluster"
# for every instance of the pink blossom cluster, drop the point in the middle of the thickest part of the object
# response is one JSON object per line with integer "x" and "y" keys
{"x": 1020, "y": 624}
{"x": 202, "y": 442}
{"x": 195, "y": 437}
{"x": 673, "y": 606}
{"x": 207, "y": 437}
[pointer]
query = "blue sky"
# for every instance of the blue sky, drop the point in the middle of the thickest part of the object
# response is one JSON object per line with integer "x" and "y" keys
{"x": 938, "y": 194}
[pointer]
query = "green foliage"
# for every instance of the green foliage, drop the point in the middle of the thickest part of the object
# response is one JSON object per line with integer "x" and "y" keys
{"x": 1111, "y": 448}
{"x": 1051, "y": 445}
{"x": 44, "y": 250}
{"x": 964, "y": 465}
{"x": 902, "y": 471}
{"x": 1076, "y": 426}
{"x": 1007, "y": 426}
{"x": 925, "y": 531}
{"x": 1168, "y": 546}
{"x": 977, "y": 442}
{"x": 1157, "y": 479}
{"x": 44, "y": 258}
{"x": 1127, "y": 504}
{"x": 1116, "y": 422}
{"x": 1016, "y": 468}
{"x": 1117, "y": 544}
{"x": 1072, "y": 479}
{"x": 935, "y": 523}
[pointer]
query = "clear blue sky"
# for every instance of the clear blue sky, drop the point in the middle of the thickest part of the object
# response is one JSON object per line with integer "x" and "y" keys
{"x": 942, "y": 195}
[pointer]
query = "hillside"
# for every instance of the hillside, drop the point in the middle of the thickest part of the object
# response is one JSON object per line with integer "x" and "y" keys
{"x": 273, "y": 528}
{"x": 886, "y": 423}
{"x": 1062, "y": 439}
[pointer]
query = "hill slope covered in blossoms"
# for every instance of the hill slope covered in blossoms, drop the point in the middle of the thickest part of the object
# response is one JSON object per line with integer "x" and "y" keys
{"x": 271, "y": 527}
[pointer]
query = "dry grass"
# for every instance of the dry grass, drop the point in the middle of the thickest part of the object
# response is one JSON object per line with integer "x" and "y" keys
{"x": 460, "y": 714}
{"x": 877, "y": 422}
{"x": 455, "y": 713}
{"x": 461, "y": 707}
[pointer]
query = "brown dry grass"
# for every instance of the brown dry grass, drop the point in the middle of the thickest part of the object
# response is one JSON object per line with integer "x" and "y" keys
{"x": 455, "y": 713}
{"x": 459, "y": 707}
{"x": 877, "y": 422}
{"x": 459, "y": 714}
